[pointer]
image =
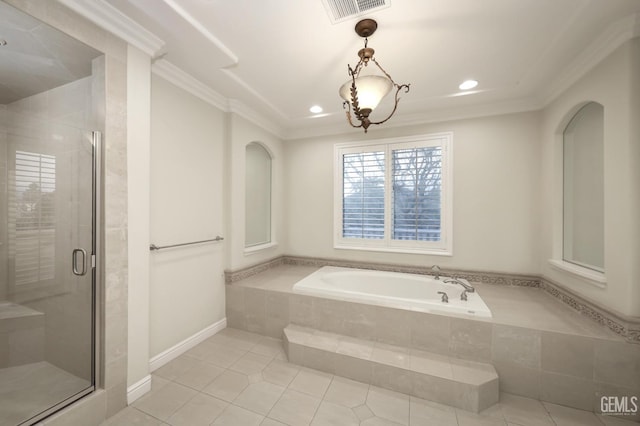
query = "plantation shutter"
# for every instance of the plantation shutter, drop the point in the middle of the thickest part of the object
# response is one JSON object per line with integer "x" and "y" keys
{"x": 32, "y": 217}
{"x": 417, "y": 191}
{"x": 363, "y": 195}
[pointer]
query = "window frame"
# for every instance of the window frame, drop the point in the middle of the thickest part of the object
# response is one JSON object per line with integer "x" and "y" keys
{"x": 444, "y": 247}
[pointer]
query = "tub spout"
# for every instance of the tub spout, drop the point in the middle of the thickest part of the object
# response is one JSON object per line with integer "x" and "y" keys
{"x": 436, "y": 271}
{"x": 466, "y": 286}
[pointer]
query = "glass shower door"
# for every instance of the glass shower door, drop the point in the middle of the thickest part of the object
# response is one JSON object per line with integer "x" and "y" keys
{"x": 47, "y": 317}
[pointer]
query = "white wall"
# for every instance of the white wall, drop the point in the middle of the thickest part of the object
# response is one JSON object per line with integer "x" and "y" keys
{"x": 495, "y": 204}
{"x": 241, "y": 132}
{"x": 186, "y": 283}
{"x": 138, "y": 181}
{"x": 614, "y": 83}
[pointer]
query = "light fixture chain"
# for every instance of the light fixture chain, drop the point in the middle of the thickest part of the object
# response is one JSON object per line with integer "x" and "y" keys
{"x": 384, "y": 72}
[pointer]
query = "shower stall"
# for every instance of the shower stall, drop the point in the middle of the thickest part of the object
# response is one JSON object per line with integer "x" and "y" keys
{"x": 51, "y": 89}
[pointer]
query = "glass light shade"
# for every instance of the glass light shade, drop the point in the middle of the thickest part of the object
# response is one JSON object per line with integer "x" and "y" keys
{"x": 371, "y": 90}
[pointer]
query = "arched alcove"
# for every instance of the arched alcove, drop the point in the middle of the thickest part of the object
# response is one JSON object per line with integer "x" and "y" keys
{"x": 257, "y": 195}
{"x": 583, "y": 188}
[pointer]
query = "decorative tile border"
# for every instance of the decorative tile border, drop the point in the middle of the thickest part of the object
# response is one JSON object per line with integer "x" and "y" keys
{"x": 233, "y": 276}
{"x": 624, "y": 327}
{"x": 628, "y": 328}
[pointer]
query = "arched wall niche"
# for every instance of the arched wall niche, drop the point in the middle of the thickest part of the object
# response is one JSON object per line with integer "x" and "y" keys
{"x": 583, "y": 186}
{"x": 258, "y": 195}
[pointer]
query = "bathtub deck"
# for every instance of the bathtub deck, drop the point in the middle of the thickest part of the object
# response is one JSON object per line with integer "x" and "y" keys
{"x": 515, "y": 306}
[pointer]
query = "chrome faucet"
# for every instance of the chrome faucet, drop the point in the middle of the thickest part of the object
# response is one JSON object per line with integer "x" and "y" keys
{"x": 466, "y": 286}
{"x": 463, "y": 296}
{"x": 436, "y": 271}
{"x": 445, "y": 298}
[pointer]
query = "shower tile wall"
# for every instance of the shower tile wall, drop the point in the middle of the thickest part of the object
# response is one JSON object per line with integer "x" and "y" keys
{"x": 50, "y": 123}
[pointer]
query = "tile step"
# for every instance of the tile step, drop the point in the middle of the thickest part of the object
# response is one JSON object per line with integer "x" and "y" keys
{"x": 468, "y": 385}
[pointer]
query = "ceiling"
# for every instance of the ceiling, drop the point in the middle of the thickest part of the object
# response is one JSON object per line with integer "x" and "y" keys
{"x": 36, "y": 57}
{"x": 277, "y": 58}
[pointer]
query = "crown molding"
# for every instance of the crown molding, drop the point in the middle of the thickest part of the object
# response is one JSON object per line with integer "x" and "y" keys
{"x": 613, "y": 37}
{"x": 111, "y": 19}
{"x": 187, "y": 82}
{"x": 244, "y": 111}
{"x": 197, "y": 25}
{"x": 229, "y": 72}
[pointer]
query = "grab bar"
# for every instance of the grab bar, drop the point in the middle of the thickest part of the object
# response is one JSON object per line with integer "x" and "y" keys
{"x": 154, "y": 247}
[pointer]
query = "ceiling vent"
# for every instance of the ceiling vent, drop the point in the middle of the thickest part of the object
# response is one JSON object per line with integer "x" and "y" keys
{"x": 341, "y": 10}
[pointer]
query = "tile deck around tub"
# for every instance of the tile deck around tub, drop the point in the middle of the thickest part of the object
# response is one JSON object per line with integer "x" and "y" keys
{"x": 280, "y": 393}
{"x": 515, "y": 306}
{"x": 540, "y": 348}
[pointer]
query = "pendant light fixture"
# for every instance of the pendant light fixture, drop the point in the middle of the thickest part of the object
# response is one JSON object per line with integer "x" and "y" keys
{"x": 367, "y": 85}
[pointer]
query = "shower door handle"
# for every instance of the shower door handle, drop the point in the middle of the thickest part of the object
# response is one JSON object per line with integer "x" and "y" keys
{"x": 74, "y": 261}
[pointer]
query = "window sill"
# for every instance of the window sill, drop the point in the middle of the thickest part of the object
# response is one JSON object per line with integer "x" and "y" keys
{"x": 406, "y": 250}
{"x": 248, "y": 251}
{"x": 595, "y": 278}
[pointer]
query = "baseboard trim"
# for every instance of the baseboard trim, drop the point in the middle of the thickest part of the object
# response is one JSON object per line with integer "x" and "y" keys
{"x": 188, "y": 343}
{"x": 138, "y": 389}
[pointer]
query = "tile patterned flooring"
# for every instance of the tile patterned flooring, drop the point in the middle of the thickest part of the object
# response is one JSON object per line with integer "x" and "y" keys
{"x": 238, "y": 378}
{"x": 28, "y": 389}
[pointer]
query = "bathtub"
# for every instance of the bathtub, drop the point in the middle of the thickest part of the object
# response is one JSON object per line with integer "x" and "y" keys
{"x": 391, "y": 289}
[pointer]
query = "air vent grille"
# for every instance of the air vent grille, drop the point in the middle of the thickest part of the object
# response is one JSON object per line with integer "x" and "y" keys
{"x": 340, "y": 10}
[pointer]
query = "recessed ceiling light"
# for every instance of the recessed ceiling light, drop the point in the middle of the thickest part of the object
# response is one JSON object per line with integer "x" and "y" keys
{"x": 3, "y": 42}
{"x": 468, "y": 84}
{"x": 316, "y": 109}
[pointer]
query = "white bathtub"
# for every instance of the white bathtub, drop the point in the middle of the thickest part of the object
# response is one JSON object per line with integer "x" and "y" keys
{"x": 391, "y": 289}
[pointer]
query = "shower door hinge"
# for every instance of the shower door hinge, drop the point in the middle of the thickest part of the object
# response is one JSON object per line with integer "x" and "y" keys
{"x": 93, "y": 260}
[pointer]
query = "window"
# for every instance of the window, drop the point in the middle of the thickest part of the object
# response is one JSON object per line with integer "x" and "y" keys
{"x": 32, "y": 218}
{"x": 394, "y": 195}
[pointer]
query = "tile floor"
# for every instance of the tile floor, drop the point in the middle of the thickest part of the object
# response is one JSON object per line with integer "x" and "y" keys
{"x": 238, "y": 378}
{"x": 28, "y": 389}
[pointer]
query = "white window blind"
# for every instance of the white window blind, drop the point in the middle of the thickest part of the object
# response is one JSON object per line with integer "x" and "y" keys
{"x": 32, "y": 217}
{"x": 363, "y": 195}
{"x": 394, "y": 195}
{"x": 417, "y": 174}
